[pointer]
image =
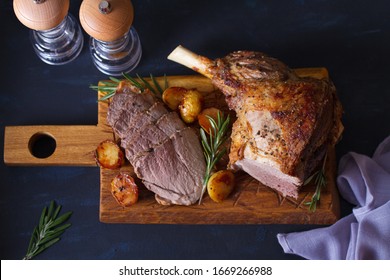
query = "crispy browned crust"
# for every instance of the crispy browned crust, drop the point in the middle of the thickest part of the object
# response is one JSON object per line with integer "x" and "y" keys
{"x": 306, "y": 110}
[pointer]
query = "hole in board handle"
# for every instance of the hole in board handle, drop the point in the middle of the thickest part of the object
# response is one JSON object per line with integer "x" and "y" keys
{"x": 42, "y": 145}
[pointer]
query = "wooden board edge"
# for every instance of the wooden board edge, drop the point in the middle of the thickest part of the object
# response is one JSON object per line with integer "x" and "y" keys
{"x": 325, "y": 214}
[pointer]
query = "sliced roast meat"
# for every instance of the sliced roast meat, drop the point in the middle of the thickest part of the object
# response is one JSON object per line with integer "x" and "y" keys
{"x": 142, "y": 120}
{"x": 163, "y": 167}
{"x": 153, "y": 134}
{"x": 170, "y": 123}
{"x": 164, "y": 152}
{"x": 174, "y": 197}
{"x": 133, "y": 104}
{"x": 150, "y": 137}
{"x": 116, "y": 107}
{"x": 186, "y": 145}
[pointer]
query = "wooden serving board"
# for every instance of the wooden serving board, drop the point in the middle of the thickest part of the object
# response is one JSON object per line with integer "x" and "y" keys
{"x": 250, "y": 203}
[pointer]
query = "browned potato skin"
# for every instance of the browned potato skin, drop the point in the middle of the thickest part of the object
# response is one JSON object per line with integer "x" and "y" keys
{"x": 203, "y": 119}
{"x": 220, "y": 185}
{"x": 109, "y": 155}
{"x": 191, "y": 106}
{"x": 172, "y": 96}
{"x": 124, "y": 189}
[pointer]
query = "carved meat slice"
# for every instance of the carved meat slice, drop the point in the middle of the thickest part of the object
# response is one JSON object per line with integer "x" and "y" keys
{"x": 153, "y": 134}
{"x": 165, "y": 153}
{"x": 171, "y": 169}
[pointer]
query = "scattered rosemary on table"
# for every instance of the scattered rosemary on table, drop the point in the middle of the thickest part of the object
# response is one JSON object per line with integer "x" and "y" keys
{"x": 109, "y": 87}
{"x": 48, "y": 231}
{"x": 212, "y": 145}
{"x": 320, "y": 182}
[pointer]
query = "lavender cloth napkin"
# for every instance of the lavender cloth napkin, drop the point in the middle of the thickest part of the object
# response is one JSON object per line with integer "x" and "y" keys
{"x": 364, "y": 234}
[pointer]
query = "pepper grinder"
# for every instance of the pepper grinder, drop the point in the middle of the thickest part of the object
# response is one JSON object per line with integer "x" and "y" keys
{"x": 56, "y": 36}
{"x": 114, "y": 44}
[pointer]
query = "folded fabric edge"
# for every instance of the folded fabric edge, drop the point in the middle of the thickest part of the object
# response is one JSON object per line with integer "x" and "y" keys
{"x": 382, "y": 148}
{"x": 283, "y": 242}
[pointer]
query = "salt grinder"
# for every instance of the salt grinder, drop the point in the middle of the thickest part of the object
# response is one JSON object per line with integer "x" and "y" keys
{"x": 114, "y": 44}
{"x": 55, "y": 34}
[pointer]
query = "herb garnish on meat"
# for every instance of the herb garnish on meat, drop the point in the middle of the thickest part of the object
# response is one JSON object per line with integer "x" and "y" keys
{"x": 320, "y": 181}
{"x": 109, "y": 87}
{"x": 212, "y": 145}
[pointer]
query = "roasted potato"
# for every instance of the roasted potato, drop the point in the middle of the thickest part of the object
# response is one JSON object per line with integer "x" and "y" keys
{"x": 172, "y": 96}
{"x": 109, "y": 155}
{"x": 124, "y": 189}
{"x": 220, "y": 185}
{"x": 191, "y": 105}
{"x": 203, "y": 118}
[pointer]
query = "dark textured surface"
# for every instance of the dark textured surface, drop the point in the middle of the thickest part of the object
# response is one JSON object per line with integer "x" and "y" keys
{"x": 350, "y": 38}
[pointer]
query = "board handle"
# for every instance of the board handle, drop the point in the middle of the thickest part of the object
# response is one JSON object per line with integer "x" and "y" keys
{"x": 53, "y": 145}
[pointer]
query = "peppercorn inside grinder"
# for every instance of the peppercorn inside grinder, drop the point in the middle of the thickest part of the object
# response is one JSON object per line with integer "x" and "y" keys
{"x": 55, "y": 34}
{"x": 114, "y": 44}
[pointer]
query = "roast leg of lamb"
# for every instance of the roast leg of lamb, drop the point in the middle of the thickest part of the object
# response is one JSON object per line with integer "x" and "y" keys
{"x": 284, "y": 124}
{"x": 165, "y": 153}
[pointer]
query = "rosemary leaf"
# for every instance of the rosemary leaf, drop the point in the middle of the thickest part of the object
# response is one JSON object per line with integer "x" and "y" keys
{"x": 165, "y": 81}
{"x": 55, "y": 233}
{"x": 48, "y": 230}
{"x": 58, "y": 209}
{"x": 44, "y": 247}
{"x": 51, "y": 208}
{"x": 205, "y": 143}
{"x": 115, "y": 80}
{"x": 30, "y": 245}
{"x": 107, "y": 96}
{"x": 220, "y": 155}
{"x": 160, "y": 90}
{"x": 112, "y": 83}
{"x": 42, "y": 219}
{"x": 320, "y": 181}
{"x": 308, "y": 180}
{"x": 61, "y": 219}
{"x": 63, "y": 227}
{"x": 109, "y": 87}
{"x": 134, "y": 82}
{"x": 50, "y": 237}
{"x": 212, "y": 149}
{"x": 147, "y": 85}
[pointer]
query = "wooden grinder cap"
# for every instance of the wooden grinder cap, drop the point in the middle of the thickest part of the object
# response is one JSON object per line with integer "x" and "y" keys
{"x": 41, "y": 14}
{"x": 106, "y": 20}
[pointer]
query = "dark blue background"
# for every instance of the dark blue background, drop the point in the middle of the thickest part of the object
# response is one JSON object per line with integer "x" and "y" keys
{"x": 350, "y": 38}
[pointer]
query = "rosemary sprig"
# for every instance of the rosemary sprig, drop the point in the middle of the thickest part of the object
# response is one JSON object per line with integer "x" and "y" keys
{"x": 212, "y": 146}
{"x": 48, "y": 231}
{"x": 109, "y": 87}
{"x": 320, "y": 181}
